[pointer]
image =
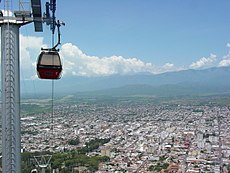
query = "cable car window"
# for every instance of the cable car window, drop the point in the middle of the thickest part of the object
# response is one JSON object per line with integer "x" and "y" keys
{"x": 50, "y": 59}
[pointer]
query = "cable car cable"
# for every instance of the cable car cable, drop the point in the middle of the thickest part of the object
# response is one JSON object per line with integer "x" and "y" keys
{"x": 49, "y": 64}
{"x": 52, "y": 95}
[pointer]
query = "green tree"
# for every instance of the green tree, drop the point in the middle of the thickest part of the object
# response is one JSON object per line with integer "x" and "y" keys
{"x": 74, "y": 141}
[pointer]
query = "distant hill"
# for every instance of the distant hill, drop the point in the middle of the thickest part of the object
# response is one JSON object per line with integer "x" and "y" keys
{"x": 187, "y": 82}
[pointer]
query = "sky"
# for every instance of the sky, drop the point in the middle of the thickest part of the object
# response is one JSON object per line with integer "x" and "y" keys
{"x": 109, "y": 37}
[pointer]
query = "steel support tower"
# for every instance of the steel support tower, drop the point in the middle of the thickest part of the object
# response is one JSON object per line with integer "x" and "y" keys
{"x": 10, "y": 75}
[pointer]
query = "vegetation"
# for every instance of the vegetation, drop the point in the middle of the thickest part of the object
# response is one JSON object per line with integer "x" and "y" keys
{"x": 74, "y": 141}
{"x": 197, "y": 110}
{"x": 158, "y": 167}
{"x": 31, "y": 108}
{"x": 73, "y": 159}
{"x": 161, "y": 164}
{"x": 162, "y": 158}
{"x": 70, "y": 160}
{"x": 93, "y": 145}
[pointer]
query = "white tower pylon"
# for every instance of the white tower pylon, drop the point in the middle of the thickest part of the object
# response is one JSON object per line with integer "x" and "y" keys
{"x": 11, "y": 133}
{"x": 10, "y": 97}
{"x": 10, "y": 77}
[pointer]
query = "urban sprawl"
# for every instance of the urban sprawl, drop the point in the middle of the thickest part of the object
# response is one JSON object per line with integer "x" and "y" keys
{"x": 176, "y": 138}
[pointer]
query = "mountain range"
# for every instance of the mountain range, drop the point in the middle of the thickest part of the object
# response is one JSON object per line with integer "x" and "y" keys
{"x": 186, "y": 82}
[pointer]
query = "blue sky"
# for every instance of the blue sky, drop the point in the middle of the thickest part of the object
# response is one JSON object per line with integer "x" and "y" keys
{"x": 178, "y": 31}
{"x": 105, "y": 37}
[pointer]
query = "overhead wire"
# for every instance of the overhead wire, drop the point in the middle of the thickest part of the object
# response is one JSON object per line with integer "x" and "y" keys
{"x": 52, "y": 94}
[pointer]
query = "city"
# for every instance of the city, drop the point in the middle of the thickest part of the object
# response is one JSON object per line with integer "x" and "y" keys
{"x": 144, "y": 136}
{"x": 144, "y": 86}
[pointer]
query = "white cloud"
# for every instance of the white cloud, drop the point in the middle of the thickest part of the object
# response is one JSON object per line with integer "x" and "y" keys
{"x": 29, "y": 50}
{"x": 225, "y": 61}
{"x": 228, "y": 44}
{"x": 78, "y": 63}
{"x": 204, "y": 62}
{"x": 168, "y": 67}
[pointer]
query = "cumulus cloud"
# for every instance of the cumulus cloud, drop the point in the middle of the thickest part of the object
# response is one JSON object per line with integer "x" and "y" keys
{"x": 228, "y": 44}
{"x": 29, "y": 50}
{"x": 168, "y": 67}
{"x": 78, "y": 63}
{"x": 225, "y": 61}
{"x": 204, "y": 62}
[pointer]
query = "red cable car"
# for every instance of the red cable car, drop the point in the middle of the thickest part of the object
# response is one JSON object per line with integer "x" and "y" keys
{"x": 49, "y": 65}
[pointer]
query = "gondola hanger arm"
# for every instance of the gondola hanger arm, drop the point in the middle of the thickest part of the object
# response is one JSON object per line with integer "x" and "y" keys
{"x": 58, "y": 24}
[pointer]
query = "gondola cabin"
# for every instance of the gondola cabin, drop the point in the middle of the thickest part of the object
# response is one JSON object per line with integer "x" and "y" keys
{"x": 49, "y": 65}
